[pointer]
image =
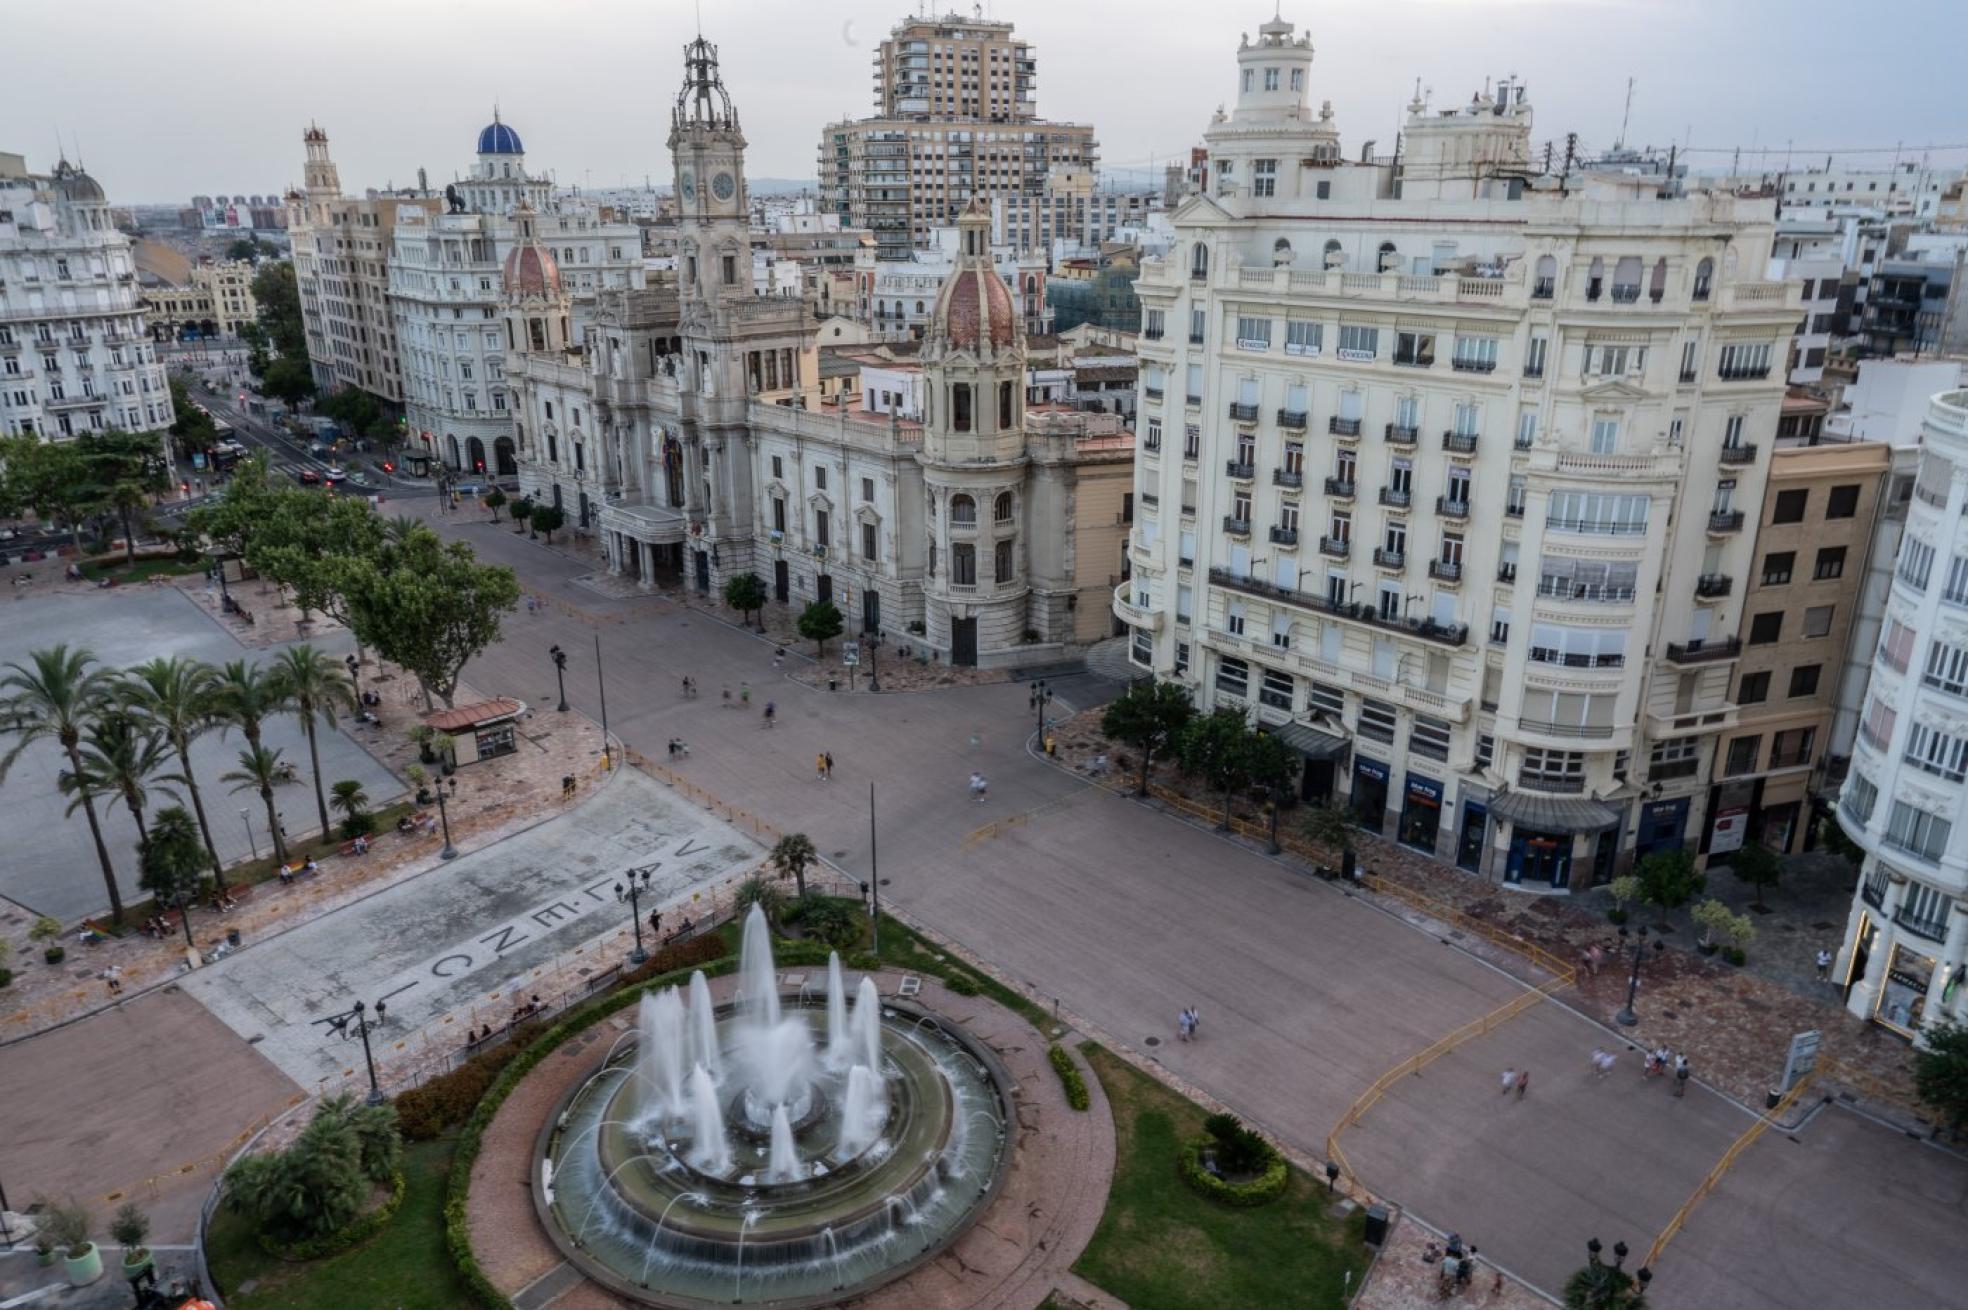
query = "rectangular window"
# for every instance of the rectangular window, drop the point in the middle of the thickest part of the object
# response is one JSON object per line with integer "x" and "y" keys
{"x": 1754, "y": 688}
{"x": 1938, "y": 753}
{"x": 1598, "y": 512}
{"x": 1789, "y": 506}
{"x": 1253, "y": 333}
{"x": 1860, "y": 798}
{"x": 1553, "y": 768}
{"x": 1377, "y": 721}
{"x": 1476, "y": 354}
{"x": 1153, "y": 439}
{"x": 1534, "y": 357}
{"x": 1917, "y": 832}
{"x": 1843, "y": 503}
{"x": 1303, "y": 338}
{"x": 867, "y": 541}
{"x": 1955, "y": 590}
{"x": 1233, "y": 676}
{"x": 1264, "y": 175}
{"x": 1742, "y": 756}
{"x": 1416, "y": 349}
{"x": 1947, "y": 668}
{"x": 1275, "y": 690}
{"x": 1198, "y": 324}
{"x": 1358, "y": 344}
{"x": 1193, "y": 390}
{"x": 1804, "y": 680}
{"x": 1777, "y": 566}
{"x": 1744, "y": 360}
{"x": 1817, "y": 620}
{"x": 1430, "y": 737}
{"x": 1766, "y": 628}
{"x": 1916, "y": 563}
{"x": 1605, "y": 436}
{"x": 1830, "y": 564}
{"x": 1486, "y": 746}
{"x": 960, "y": 406}
{"x": 963, "y": 565}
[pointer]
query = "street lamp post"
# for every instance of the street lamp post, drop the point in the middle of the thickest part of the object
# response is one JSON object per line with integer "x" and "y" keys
{"x": 1626, "y": 1017}
{"x": 874, "y": 642}
{"x": 449, "y": 852}
{"x": 358, "y": 1014}
{"x": 559, "y": 658}
{"x": 1041, "y": 697}
{"x": 251, "y": 841}
{"x": 632, "y": 894}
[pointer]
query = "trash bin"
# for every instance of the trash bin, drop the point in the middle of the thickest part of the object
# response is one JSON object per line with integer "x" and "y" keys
{"x": 232, "y": 937}
{"x": 1376, "y": 1234}
{"x": 1770, "y": 1099}
{"x": 833, "y": 684}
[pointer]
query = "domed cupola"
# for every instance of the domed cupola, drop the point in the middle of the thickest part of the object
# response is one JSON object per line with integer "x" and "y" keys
{"x": 974, "y": 307}
{"x": 77, "y": 185}
{"x": 495, "y": 138}
{"x": 531, "y": 271}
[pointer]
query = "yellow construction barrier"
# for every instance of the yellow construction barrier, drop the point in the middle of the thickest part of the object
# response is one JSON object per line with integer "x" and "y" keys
{"x": 1729, "y": 1157}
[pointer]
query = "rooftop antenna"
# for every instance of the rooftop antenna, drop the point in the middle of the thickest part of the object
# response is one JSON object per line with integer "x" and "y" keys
{"x": 1625, "y": 116}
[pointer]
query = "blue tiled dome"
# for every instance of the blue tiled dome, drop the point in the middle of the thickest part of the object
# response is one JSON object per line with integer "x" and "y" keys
{"x": 498, "y": 139}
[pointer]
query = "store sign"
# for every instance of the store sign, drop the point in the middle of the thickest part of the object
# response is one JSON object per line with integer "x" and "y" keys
{"x": 1731, "y": 829}
{"x": 851, "y": 653}
{"x": 1802, "y": 1059}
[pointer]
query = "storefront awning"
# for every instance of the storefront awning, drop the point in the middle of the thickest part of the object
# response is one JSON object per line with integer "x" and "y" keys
{"x": 1308, "y": 741}
{"x": 1553, "y": 813}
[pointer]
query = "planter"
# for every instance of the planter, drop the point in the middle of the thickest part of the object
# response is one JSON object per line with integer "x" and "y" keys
{"x": 54, "y": 955}
{"x": 85, "y": 1268}
{"x": 44, "y": 1256}
{"x": 1707, "y": 948}
{"x": 134, "y": 1263}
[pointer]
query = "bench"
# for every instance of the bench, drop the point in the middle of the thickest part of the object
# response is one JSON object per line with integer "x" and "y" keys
{"x": 296, "y": 871}
{"x": 348, "y": 848}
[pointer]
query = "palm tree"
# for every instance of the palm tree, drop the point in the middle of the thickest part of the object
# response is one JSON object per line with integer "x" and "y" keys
{"x": 175, "y": 696}
{"x": 791, "y": 855}
{"x": 352, "y": 803}
{"x": 120, "y": 755}
{"x": 316, "y": 687}
{"x": 50, "y": 696}
{"x": 259, "y": 769}
{"x": 129, "y": 499}
{"x": 247, "y": 695}
{"x": 172, "y": 861}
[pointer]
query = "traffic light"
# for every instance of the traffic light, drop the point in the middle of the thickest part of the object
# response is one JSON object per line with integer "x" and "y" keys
{"x": 184, "y": 488}
{"x": 388, "y": 467}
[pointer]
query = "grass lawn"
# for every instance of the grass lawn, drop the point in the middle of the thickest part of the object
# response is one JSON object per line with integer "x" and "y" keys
{"x": 1161, "y": 1246}
{"x": 143, "y": 570}
{"x": 404, "y": 1267}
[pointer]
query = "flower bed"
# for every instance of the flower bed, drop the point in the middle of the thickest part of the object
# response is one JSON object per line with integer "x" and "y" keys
{"x": 1069, "y": 1075}
{"x": 1266, "y": 1187}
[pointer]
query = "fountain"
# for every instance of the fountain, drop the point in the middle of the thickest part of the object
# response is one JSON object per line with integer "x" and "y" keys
{"x": 770, "y": 1150}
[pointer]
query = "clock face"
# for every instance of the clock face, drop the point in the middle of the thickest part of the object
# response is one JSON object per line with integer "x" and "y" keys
{"x": 723, "y": 186}
{"x": 687, "y": 184}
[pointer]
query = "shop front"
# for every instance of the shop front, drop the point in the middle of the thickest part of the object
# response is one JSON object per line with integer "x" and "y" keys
{"x": 1663, "y": 827}
{"x": 1320, "y": 753}
{"x": 1903, "y": 992}
{"x": 1555, "y": 841}
{"x": 1421, "y": 813}
{"x": 1470, "y": 834}
{"x": 1369, "y": 798}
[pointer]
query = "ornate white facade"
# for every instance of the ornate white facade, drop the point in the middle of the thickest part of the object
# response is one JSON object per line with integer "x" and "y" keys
{"x": 688, "y": 429}
{"x": 1435, "y": 451}
{"x": 75, "y": 355}
{"x": 1906, "y": 944}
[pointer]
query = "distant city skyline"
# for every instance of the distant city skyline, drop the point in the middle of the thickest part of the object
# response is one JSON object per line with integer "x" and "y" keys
{"x": 210, "y": 97}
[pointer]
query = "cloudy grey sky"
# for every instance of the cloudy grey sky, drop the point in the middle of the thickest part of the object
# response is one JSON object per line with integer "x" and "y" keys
{"x": 187, "y": 96}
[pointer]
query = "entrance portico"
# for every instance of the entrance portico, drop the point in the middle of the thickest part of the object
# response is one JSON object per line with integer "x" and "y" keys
{"x": 643, "y": 539}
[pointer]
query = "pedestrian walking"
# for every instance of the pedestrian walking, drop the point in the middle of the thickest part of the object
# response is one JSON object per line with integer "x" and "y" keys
{"x": 978, "y": 787}
{"x": 770, "y": 710}
{"x": 1182, "y": 1025}
{"x": 689, "y": 688}
{"x": 820, "y": 766}
{"x": 1603, "y": 1062}
{"x": 655, "y": 922}
{"x": 1824, "y": 965}
{"x": 745, "y": 693}
{"x": 1466, "y": 1269}
{"x": 727, "y": 696}
{"x": 1195, "y": 1021}
{"x": 1523, "y": 1082}
{"x": 827, "y": 763}
{"x": 1509, "y": 1080}
{"x": 1681, "y": 1073}
{"x": 113, "y": 977}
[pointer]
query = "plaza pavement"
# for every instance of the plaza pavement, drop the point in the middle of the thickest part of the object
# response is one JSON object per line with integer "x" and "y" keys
{"x": 439, "y": 943}
{"x": 1307, "y": 995}
{"x": 49, "y": 864}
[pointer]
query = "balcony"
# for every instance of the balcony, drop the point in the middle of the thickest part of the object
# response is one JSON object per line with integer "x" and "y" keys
{"x": 1704, "y": 652}
{"x": 1711, "y": 585}
{"x": 1743, "y": 373}
{"x": 1593, "y": 289}
{"x": 1235, "y": 526}
{"x": 1557, "y": 783}
{"x": 1292, "y": 418}
{"x": 1459, "y": 443}
{"x": 1135, "y": 616}
{"x": 1152, "y": 334}
{"x": 1243, "y": 413}
{"x": 1397, "y": 435}
{"x": 1724, "y": 521}
{"x": 1196, "y": 338}
{"x": 1687, "y": 376}
{"x": 1577, "y": 731}
{"x": 1336, "y": 547}
{"x": 1625, "y": 295}
{"x": 1284, "y": 536}
{"x": 1292, "y": 478}
{"x": 1576, "y": 659}
{"x": 1447, "y": 634}
{"x": 1734, "y": 455}
{"x": 1507, "y": 572}
{"x": 1343, "y": 427}
{"x": 1513, "y": 509}
{"x": 1449, "y": 507}
{"x": 1544, "y": 288}
{"x": 1445, "y": 570}
{"x": 1934, "y": 930}
{"x": 1791, "y": 759}
{"x": 1152, "y": 393}
{"x": 1340, "y": 487}
{"x": 1475, "y": 365}
{"x": 1395, "y": 497}
{"x": 1241, "y": 469}
{"x": 1390, "y": 559}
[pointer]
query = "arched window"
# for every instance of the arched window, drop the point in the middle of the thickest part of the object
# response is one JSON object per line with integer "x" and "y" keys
{"x": 1335, "y": 255}
{"x": 1704, "y": 278}
{"x": 1199, "y": 261}
{"x": 963, "y": 511}
{"x": 1281, "y": 251}
{"x": 1031, "y": 285}
{"x": 1388, "y": 256}
{"x": 1657, "y": 284}
{"x": 919, "y": 306}
{"x": 1595, "y": 278}
{"x": 1001, "y": 512}
{"x": 1546, "y": 285}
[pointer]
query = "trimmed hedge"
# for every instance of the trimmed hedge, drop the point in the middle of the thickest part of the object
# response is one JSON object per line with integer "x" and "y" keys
{"x": 678, "y": 955}
{"x": 425, "y": 1112}
{"x": 1266, "y": 1187}
{"x": 1069, "y": 1074}
{"x": 353, "y": 1234}
{"x": 961, "y": 984}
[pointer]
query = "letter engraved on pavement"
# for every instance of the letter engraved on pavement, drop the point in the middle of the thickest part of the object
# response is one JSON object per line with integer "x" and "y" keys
{"x": 688, "y": 848}
{"x": 505, "y": 939}
{"x": 549, "y": 915}
{"x": 590, "y": 888}
{"x": 440, "y": 971}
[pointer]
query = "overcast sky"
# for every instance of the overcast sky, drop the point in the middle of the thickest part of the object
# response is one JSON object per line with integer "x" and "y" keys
{"x": 167, "y": 100}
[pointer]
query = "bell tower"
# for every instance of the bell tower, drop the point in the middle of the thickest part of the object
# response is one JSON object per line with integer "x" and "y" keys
{"x": 709, "y": 154}
{"x": 323, "y": 182}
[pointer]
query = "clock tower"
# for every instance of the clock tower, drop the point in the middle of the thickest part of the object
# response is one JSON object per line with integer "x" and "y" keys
{"x": 714, "y": 246}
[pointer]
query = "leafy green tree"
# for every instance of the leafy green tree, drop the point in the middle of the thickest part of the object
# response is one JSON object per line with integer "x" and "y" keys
{"x": 1329, "y": 824}
{"x": 316, "y": 687}
{"x": 745, "y": 592}
{"x": 547, "y": 519}
{"x": 1217, "y": 748}
{"x": 1150, "y": 717}
{"x": 1272, "y": 766}
{"x": 191, "y": 427}
{"x": 348, "y": 799}
{"x": 48, "y": 477}
{"x": 1757, "y": 865}
{"x": 171, "y": 860}
{"x": 53, "y": 696}
{"x": 1669, "y": 879}
{"x": 278, "y": 297}
{"x": 429, "y": 607}
{"x": 288, "y": 380}
{"x": 762, "y": 892}
{"x": 1940, "y": 1072}
{"x": 121, "y": 755}
{"x": 260, "y": 771}
{"x": 493, "y": 500}
{"x": 129, "y": 499}
{"x": 791, "y": 854}
{"x": 1600, "y": 1286}
{"x": 820, "y": 621}
{"x": 522, "y": 512}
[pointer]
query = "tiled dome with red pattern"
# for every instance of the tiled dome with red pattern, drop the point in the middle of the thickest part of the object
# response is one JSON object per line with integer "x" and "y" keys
{"x": 974, "y": 305}
{"x": 531, "y": 271}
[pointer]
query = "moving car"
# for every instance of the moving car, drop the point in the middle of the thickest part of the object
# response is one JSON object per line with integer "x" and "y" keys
{"x": 309, "y": 478}
{"x": 335, "y": 475}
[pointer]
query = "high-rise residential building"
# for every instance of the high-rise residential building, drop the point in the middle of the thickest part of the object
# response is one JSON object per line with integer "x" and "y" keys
{"x": 341, "y": 271}
{"x": 1436, "y": 451}
{"x": 956, "y": 120}
{"x": 1904, "y": 799}
{"x": 696, "y": 436}
{"x": 75, "y": 355}
{"x": 445, "y": 279}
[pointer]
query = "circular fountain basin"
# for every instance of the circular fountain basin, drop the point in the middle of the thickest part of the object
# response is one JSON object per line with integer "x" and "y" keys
{"x": 622, "y": 1196}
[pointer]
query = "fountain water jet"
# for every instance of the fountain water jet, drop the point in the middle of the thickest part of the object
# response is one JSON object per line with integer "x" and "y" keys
{"x": 703, "y": 1027}
{"x": 660, "y": 1061}
{"x": 866, "y": 1026}
{"x": 784, "y": 1164}
{"x": 711, "y": 1151}
{"x": 864, "y": 1112}
{"x": 837, "y": 1035}
{"x": 758, "y": 979}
